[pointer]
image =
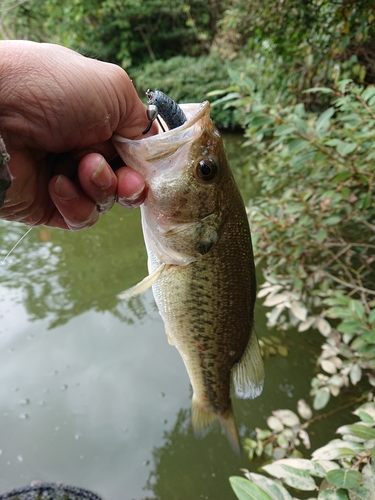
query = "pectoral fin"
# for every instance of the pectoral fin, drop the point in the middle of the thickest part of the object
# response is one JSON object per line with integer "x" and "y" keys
{"x": 248, "y": 373}
{"x": 143, "y": 285}
{"x": 194, "y": 239}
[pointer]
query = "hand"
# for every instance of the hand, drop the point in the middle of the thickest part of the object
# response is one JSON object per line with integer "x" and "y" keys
{"x": 58, "y": 111}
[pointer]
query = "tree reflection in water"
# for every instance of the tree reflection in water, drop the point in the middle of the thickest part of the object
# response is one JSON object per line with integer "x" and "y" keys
{"x": 64, "y": 274}
{"x": 184, "y": 466}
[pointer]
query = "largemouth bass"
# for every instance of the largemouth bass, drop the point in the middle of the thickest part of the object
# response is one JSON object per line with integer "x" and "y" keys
{"x": 200, "y": 262}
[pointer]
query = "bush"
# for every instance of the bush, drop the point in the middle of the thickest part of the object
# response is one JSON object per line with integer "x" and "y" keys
{"x": 313, "y": 223}
{"x": 343, "y": 467}
{"x": 313, "y": 228}
{"x": 300, "y": 44}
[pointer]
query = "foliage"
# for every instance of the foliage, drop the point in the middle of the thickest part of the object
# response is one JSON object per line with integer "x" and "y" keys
{"x": 299, "y": 44}
{"x": 291, "y": 45}
{"x": 189, "y": 79}
{"x": 127, "y": 32}
{"x": 313, "y": 224}
{"x": 344, "y": 468}
{"x": 287, "y": 46}
{"x": 314, "y": 232}
{"x": 284, "y": 436}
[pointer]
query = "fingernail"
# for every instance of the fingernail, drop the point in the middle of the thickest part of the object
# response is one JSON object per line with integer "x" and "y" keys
{"x": 65, "y": 189}
{"x": 135, "y": 200}
{"x": 102, "y": 177}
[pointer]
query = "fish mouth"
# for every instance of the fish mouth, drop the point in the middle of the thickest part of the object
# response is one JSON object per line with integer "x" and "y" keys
{"x": 193, "y": 111}
{"x": 140, "y": 153}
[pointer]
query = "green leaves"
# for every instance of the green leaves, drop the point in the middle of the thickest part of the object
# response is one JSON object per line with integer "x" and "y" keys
{"x": 194, "y": 79}
{"x": 260, "y": 485}
{"x": 291, "y": 476}
{"x": 344, "y": 148}
{"x": 321, "y": 398}
{"x": 286, "y": 434}
{"x": 314, "y": 226}
{"x": 332, "y": 495}
{"x": 368, "y": 473}
{"x": 323, "y": 122}
{"x": 345, "y": 478}
{"x": 274, "y": 489}
{"x": 342, "y": 469}
{"x": 358, "y": 430}
{"x": 245, "y": 490}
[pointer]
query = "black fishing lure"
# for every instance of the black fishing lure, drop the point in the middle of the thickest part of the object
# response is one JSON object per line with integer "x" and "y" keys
{"x": 160, "y": 104}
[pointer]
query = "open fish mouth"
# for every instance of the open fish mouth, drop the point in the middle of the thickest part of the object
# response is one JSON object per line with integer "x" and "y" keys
{"x": 165, "y": 143}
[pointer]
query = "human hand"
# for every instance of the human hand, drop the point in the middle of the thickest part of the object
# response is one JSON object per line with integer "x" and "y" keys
{"x": 58, "y": 111}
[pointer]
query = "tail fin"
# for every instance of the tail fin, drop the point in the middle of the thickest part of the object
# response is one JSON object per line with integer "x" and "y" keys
{"x": 203, "y": 421}
{"x": 228, "y": 425}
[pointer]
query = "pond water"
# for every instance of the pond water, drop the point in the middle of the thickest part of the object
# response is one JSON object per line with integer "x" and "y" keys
{"x": 91, "y": 393}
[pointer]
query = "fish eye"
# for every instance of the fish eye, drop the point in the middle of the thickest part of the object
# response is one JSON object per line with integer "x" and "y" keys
{"x": 206, "y": 169}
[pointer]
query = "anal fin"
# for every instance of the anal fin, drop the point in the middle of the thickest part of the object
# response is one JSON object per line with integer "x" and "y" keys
{"x": 248, "y": 373}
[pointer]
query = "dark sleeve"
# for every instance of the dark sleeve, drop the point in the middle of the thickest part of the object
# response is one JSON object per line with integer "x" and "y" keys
{"x": 5, "y": 177}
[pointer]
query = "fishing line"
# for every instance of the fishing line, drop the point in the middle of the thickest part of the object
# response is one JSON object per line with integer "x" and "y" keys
{"x": 15, "y": 245}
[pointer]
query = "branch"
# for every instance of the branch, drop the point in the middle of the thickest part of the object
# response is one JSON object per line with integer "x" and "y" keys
{"x": 148, "y": 46}
{"x": 349, "y": 285}
{"x": 332, "y": 412}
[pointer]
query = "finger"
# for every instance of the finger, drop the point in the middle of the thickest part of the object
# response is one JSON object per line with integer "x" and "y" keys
{"x": 131, "y": 189}
{"x": 75, "y": 210}
{"x": 98, "y": 181}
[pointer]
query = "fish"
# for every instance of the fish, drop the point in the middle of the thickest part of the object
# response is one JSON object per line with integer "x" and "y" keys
{"x": 200, "y": 262}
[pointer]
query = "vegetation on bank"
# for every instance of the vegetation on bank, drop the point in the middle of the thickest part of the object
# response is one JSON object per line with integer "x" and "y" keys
{"x": 314, "y": 229}
{"x": 299, "y": 77}
{"x": 286, "y": 47}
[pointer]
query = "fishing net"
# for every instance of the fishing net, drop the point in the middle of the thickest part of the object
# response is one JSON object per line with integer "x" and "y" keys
{"x": 49, "y": 491}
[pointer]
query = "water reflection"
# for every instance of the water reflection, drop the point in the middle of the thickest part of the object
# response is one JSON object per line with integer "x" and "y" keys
{"x": 64, "y": 274}
{"x": 92, "y": 394}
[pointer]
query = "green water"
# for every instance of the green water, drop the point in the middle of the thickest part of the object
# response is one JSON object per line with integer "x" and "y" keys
{"x": 91, "y": 393}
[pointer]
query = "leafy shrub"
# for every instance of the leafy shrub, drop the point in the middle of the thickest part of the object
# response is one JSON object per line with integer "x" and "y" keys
{"x": 344, "y": 467}
{"x": 313, "y": 228}
{"x": 127, "y": 32}
{"x": 299, "y": 44}
{"x": 313, "y": 223}
{"x": 189, "y": 79}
